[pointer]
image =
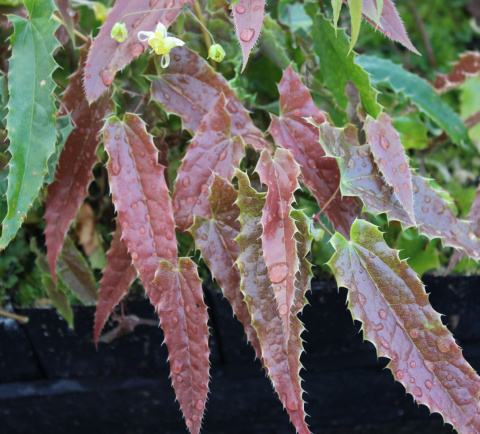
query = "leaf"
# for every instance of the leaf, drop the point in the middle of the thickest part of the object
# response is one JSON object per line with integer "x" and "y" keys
{"x": 30, "y": 120}
{"x": 190, "y": 88}
{"x": 178, "y": 300}
{"x": 279, "y": 354}
{"x": 389, "y": 154}
{"x": 355, "y": 7}
{"x": 140, "y": 196}
{"x": 336, "y": 6}
{"x": 64, "y": 128}
{"x": 248, "y": 19}
{"x": 278, "y": 243}
{"x": 74, "y": 172}
{"x": 64, "y": 9}
{"x": 118, "y": 276}
{"x": 384, "y": 17}
{"x": 421, "y": 94}
{"x": 73, "y": 270}
{"x": 412, "y": 130}
{"x": 338, "y": 66}
{"x": 421, "y": 254}
{"x": 360, "y": 177}
{"x": 107, "y": 56}
{"x": 215, "y": 238}
{"x": 3, "y": 100}
{"x": 467, "y": 66}
{"x": 212, "y": 150}
{"x": 319, "y": 173}
{"x": 386, "y": 295}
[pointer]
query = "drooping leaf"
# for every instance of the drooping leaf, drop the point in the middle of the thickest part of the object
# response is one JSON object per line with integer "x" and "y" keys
{"x": 107, "y": 56}
{"x": 421, "y": 94}
{"x": 361, "y": 177}
{"x": 467, "y": 66}
{"x": 212, "y": 150}
{"x": 73, "y": 270}
{"x": 389, "y": 154}
{"x": 384, "y": 17}
{"x": 74, "y": 172}
{"x": 387, "y": 296}
{"x": 118, "y": 275}
{"x": 248, "y": 19}
{"x": 215, "y": 238}
{"x": 178, "y": 300}
{"x": 260, "y": 298}
{"x": 190, "y": 88}
{"x": 279, "y": 246}
{"x": 31, "y": 109}
{"x": 319, "y": 173}
{"x": 355, "y": 7}
{"x": 338, "y": 66}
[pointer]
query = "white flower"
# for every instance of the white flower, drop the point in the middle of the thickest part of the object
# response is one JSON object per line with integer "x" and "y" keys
{"x": 161, "y": 43}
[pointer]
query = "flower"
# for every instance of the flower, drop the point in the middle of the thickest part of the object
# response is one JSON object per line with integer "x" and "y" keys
{"x": 160, "y": 42}
{"x": 216, "y": 52}
{"x": 100, "y": 12}
{"x": 119, "y": 32}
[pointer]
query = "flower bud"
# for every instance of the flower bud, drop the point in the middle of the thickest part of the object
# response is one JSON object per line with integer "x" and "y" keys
{"x": 119, "y": 32}
{"x": 100, "y": 11}
{"x": 216, "y": 52}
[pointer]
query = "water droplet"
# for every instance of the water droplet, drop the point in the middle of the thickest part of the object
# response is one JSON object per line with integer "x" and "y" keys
{"x": 417, "y": 391}
{"x": 222, "y": 156}
{"x": 382, "y": 162}
{"x": 187, "y": 308}
{"x": 283, "y": 309}
{"x": 428, "y": 384}
{"x": 412, "y": 364}
{"x": 137, "y": 49}
{"x": 107, "y": 76}
{"x": 134, "y": 205}
{"x": 384, "y": 343}
{"x": 134, "y": 255}
{"x": 247, "y": 35}
{"x": 449, "y": 377}
{"x": 240, "y": 9}
{"x": 403, "y": 167}
{"x": 412, "y": 380}
{"x": 362, "y": 299}
{"x": 340, "y": 271}
{"x": 443, "y": 345}
{"x": 115, "y": 167}
{"x": 384, "y": 142}
{"x": 188, "y": 421}
{"x": 186, "y": 181}
{"x": 177, "y": 366}
{"x": 399, "y": 374}
{"x": 351, "y": 163}
{"x": 382, "y": 314}
{"x": 169, "y": 253}
{"x": 199, "y": 405}
{"x": 142, "y": 230}
{"x": 414, "y": 333}
{"x": 278, "y": 272}
{"x": 311, "y": 163}
{"x": 169, "y": 236}
{"x": 292, "y": 405}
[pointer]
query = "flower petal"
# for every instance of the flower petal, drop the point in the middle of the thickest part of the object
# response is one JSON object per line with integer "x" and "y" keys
{"x": 147, "y": 35}
{"x": 165, "y": 60}
{"x": 161, "y": 29}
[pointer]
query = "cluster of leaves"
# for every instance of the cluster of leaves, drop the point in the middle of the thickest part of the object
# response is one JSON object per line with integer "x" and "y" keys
{"x": 185, "y": 165}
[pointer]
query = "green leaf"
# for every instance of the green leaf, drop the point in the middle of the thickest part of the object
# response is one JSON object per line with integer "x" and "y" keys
{"x": 31, "y": 122}
{"x": 337, "y": 6}
{"x": 339, "y": 67}
{"x": 420, "y": 253}
{"x": 3, "y": 100}
{"x": 421, "y": 94}
{"x": 413, "y": 132}
{"x": 356, "y": 18}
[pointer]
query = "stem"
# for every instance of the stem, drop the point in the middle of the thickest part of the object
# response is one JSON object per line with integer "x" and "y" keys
{"x": 75, "y": 31}
{"x": 20, "y": 318}
{"x": 317, "y": 216}
{"x": 203, "y": 28}
{"x": 473, "y": 120}
{"x": 151, "y": 10}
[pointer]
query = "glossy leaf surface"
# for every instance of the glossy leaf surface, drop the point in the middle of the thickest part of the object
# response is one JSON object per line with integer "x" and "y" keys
{"x": 467, "y": 66}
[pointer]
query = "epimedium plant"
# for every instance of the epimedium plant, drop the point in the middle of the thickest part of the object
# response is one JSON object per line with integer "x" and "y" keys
{"x": 231, "y": 189}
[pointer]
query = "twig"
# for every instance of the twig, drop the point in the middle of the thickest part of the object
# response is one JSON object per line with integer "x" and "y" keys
{"x": 203, "y": 29}
{"x": 75, "y": 31}
{"x": 20, "y": 318}
{"x": 473, "y": 120}
{"x": 426, "y": 40}
{"x": 317, "y": 216}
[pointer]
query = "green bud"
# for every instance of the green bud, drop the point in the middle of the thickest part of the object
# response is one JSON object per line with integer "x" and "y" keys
{"x": 216, "y": 52}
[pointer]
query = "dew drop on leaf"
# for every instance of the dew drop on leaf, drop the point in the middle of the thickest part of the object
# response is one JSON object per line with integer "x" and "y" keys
{"x": 240, "y": 9}
{"x": 107, "y": 76}
{"x": 384, "y": 142}
{"x": 186, "y": 181}
{"x": 177, "y": 366}
{"x": 247, "y": 35}
{"x": 278, "y": 272}
{"x": 428, "y": 384}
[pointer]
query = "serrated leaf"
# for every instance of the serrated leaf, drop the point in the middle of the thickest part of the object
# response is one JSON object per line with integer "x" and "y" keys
{"x": 260, "y": 298}
{"x": 190, "y": 88}
{"x": 107, "y": 56}
{"x": 31, "y": 109}
{"x": 74, "y": 172}
{"x": 3, "y": 100}
{"x": 355, "y": 7}
{"x": 179, "y": 303}
{"x": 338, "y": 66}
{"x": 389, "y": 154}
{"x": 212, "y": 150}
{"x": 360, "y": 177}
{"x": 118, "y": 275}
{"x": 319, "y": 173}
{"x": 64, "y": 128}
{"x": 278, "y": 243}
{"x": 386, "y": 295}
{"x": 63, "y": 8}
{"x": 420, "y": 93}
{"x": 248, "y": 19}
{"x": 467, "y": 66}
{"x": 215, "y": 238}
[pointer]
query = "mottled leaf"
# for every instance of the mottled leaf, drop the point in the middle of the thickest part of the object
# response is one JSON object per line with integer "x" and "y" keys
{"x": 178, "y": 300}
{"x": 278, "y": 243}
{"x": 389, "y": 154}
{"x": 190, "y": 88}
{"x": 421, "y": 94}
{"x": 74, "y": 171}
{"x": 212, "y": 150}
{"x": 319, "y": 173}
{"x": 338, "y": 66}
{"x": 361, "y": 177}
{"x": 386, "y": 295}
{"x": 467, "y": 66}
{"x": 215, "y": 238}
{"x": 31, "y": 109}
{"x": 107, "y": 56}
{"x": 259, "y": 295}
{"x": 118, "y": 275}
{"x": 248, "y": 19}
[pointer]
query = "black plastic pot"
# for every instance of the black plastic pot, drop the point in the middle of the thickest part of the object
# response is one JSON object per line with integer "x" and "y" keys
{"x": 54, "y": 381}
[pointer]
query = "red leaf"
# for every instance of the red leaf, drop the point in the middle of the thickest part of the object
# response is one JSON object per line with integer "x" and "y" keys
{"x": 107, "y": 56}
{"x": 74, "y": 170}
{"x": 190, "y": 88}
{"x": 467, "y": 66}
{"x": 140, "y": 196}
{"x": 387, "y": 296}
{"x": 319, "y": 173}
{"x": 212, "y": 150}
{"x": 248, "y": 18}
{"x": 280, "y": 354}
{"x": 118, "y": 275}
{"x": 215, "y": 238}
{"x": 390, "y": 24}
{"x": 178, "y": 300}
{"x": 389, "y": 154}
